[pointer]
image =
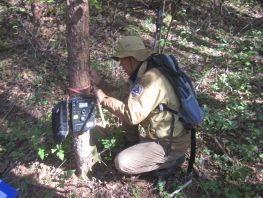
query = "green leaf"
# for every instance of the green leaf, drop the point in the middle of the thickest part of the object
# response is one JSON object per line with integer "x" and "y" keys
{"x": 53, "y": 150}
{"x": 41, "y": 153}
{"x": 60, "y": 155}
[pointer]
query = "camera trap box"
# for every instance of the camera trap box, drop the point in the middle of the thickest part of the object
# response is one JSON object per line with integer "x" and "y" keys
{"x": 76, "y": 115}
{"x": 82, "y": 112}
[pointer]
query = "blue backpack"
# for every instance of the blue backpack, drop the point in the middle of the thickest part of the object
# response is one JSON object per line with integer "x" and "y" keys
{"x": 190, "y": 112}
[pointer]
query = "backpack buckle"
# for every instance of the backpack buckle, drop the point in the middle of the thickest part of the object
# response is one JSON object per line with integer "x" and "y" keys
{"x": 161, "y": 107}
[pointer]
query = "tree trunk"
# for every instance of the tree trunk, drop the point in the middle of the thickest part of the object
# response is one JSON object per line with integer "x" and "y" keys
{"x": 79, "y": 74}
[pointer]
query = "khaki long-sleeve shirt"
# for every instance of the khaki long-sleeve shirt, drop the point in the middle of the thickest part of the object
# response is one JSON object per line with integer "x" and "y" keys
{"x": 151, "y": 89}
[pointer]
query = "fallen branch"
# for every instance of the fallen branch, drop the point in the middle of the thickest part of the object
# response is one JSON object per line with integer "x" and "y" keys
{"x": 181, "y": 188}
{"x": 9, "y": 167}
{"x": 256, "y": 23}
{"x": 145, "y": 4}
{"x": 221, "y": 147}
{"x": 218, "y": 144}
{"x": 234, "y": 161}
{"x": 12, "y": 107}
{"x": 103, "y": 122}
{"x": 200, "y": 82}
{"x": 56, "y": 170}
{"x": 32, "y": 38}
{"x": 167, "y": 34}
{"x": 35, "y": 42}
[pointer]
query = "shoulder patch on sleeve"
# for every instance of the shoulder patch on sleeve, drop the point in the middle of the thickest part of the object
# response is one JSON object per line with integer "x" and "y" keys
{"x": 137, "y": 90}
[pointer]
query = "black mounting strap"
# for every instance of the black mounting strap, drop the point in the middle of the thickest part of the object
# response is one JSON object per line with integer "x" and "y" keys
{"x": 88, "y": 117}
{"x": 164, "y": 107}
{"x": 193, "y": 151}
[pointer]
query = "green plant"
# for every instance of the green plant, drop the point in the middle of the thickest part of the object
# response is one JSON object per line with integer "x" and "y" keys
{"x": 218, "y": 121}
{"x": 163, "y": 43}
{"x": 149, "y": 23}
{"x": 41, "y": 1}
{"x": 108, "y": 144}
{"x": 185, "y": 33}
{"x": 47, "y": 1}
{"x": 246, "y": 151}
{"x": 113, "y": 141}
{"x": 17, "y": 154}
{"x": 19, "y": 10}
{"x": 212, "y": 186}
{"x": 136, "y": 192}
{"x": 73, "y": 194}
{"x": 132, "y": 30}
{"x": 96, "y": 3}
{"x": 59, "y": 152}
{"x": 24, "y": 187}
{"x": 161, "y": 188}
{"x": 238, "y": 173}
{"x": 4, "y": 46}
{"x": 67, "y": 174}
{"x": 180, "y": 194}
{"x": 42, "y": 153}
{"x": 234, "y": 82}
{"x": 231, "y": 193}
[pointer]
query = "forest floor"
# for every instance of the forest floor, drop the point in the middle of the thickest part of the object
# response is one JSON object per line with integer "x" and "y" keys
{"x": 220, "y": 48}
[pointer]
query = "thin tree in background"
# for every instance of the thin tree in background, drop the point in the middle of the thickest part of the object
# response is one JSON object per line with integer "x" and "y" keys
{"x": 80, "y": 74}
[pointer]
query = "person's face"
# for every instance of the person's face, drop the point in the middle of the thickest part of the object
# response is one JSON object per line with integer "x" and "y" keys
{"x": 126, "y": 64}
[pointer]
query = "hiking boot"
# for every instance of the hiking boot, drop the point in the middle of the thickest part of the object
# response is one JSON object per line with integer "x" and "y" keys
{"x": 169, "y": 171}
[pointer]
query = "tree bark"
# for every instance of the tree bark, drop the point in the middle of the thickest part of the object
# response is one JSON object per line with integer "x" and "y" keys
{"x": 80, "y": 75}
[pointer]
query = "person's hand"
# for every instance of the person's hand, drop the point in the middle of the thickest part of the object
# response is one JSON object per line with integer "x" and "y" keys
{"x": 100, "y": 95}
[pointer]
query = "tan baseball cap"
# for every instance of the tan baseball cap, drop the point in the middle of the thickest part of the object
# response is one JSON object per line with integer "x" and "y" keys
{"x": 131, "y": 46}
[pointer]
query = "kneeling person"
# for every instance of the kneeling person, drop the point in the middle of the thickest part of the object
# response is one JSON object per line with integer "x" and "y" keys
{"x": 149, "y": 88}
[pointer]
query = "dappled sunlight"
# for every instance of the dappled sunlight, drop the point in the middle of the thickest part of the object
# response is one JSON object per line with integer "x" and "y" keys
{"x": 25, "y": 88}
{"x": 148, "y": 24}
{"x": 249, "y": 10}
{"x": 202, "y": 49}
{"x": 210, "y": 43}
